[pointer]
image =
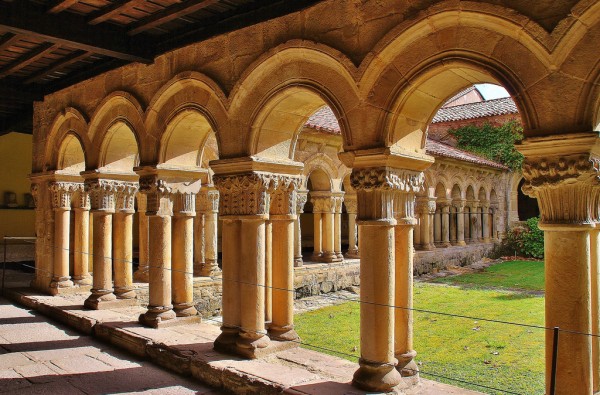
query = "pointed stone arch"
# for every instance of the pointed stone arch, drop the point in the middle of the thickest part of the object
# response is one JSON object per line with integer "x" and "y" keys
{"x": 68, "y": 124}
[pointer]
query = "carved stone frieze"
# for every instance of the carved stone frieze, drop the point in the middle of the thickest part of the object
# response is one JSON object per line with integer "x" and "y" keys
{"x": 567, "y": 187}
{"x": 62, "y": 192}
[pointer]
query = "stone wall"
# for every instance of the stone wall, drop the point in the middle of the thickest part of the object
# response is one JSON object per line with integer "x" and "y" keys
{"x": 441, "y": 258}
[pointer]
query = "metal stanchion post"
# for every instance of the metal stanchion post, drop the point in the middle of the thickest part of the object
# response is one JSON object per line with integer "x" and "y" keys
{"x": 554, "y": 359}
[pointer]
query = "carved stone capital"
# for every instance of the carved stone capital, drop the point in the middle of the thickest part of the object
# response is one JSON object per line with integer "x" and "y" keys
{"x": 351, "y": 204}
{"x": 62, "y": 192}
{"x": 404, "y": 208}
{"x": 283, "y": 199}
{"x": 184, "y": 204}
{"x": 81, "y": 199}
{"x": 102, "y": 194}
{"x": 386, "y": 178}
{"x": 158, "y": 195}
{"x": 35, "y": 193}
{"x": 125, "y": 196}
{"x": 323, "y": 203}
{"x": 426, "y": 205}
{"x": 301, "y": 199}
{"x": 207, "y": 200}
{"x": 459, "y": 204}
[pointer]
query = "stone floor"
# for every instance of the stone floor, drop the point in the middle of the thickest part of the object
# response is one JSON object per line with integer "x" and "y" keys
{"x": 38, "y": 356}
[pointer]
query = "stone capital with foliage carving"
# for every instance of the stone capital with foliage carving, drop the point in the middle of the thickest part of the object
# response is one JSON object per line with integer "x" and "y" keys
{"x": 158, "y": 195}
{"x": 62, "y": 193}
{"x": 125, "y": 197}
{"x": 102, "y": 194}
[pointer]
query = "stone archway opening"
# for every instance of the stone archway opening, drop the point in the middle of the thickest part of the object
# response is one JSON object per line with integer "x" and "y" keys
{"x": 71, "y": 158}
{"x": 119, "y": 150}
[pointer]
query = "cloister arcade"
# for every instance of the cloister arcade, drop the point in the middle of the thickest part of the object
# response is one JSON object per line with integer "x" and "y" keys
{"x": 195, "y": 136}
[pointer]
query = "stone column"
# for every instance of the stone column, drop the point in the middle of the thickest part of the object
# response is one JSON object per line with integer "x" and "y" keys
{"x": 61, "y": 203}
{"x": 81, "y": 203}
{"x": 432, "y": 208}
{"x": 595, "y": 303}
{"x": 404, "y": 211}
{"x": 244, "y": 209}
{"x": 562, "y": 173}
{"x": 199, "y": 238}
{"x": 208, "y": 205}
{"x": 437, "y": 227}
{"x": 102, "y": 199}
{"x": 318, "y": 214}
{"x": 159, "y": 212}
{"x": 44, "y": 231}
{"x": 268, "y": 288}
{"x": 123, "y": 240}
{"x": 352, "y": 210}
{"x": 283, "y": 215}
{"x": 485, "y": 222}
{"x": 301, "y": 198}
{"x": 141, "y": 274}
{"x": 325, "y": 203}
{"x": 376, "y": 189}
{"x": 337, "y": 239}
{"x": 423, "y": 207}
{"x": 445, "y": 212}
{"x": 452, "y": 225}
{"x": 182, "y": 275}
{"x": 460, "y": 223}
{"x": 475, "y": 223}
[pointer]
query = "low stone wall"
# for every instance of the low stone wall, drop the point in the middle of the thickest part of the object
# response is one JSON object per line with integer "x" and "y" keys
{"x": 319, "y": 278}
{"x": 441, "y": 258}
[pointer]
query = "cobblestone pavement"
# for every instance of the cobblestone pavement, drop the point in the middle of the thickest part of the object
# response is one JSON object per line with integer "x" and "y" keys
{"x": 38, "y": 356}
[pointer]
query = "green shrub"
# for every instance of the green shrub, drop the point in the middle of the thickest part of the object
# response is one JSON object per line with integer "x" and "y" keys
{"x": 526, "y": 240}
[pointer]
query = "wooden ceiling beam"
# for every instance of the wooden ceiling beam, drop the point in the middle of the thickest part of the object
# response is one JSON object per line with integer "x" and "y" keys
{"x": 58, "y": 65}
{"x": 106, "y": 13}
{"x": 7, "y": 40}
{"x": 71, "y": 30}
{"x": 61, "y": 5}
{"x": 28, "y": 58}
{"x": 168, "y": 14}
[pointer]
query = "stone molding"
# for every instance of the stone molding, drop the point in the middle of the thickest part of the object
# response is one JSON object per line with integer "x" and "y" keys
{"x": 62, "y": 193}
{"x": 250, "y": 193}
{"x": 567, "y": 187}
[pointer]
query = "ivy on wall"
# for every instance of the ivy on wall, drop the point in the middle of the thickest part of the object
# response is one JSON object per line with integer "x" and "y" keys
{"x": 496, "y": 143}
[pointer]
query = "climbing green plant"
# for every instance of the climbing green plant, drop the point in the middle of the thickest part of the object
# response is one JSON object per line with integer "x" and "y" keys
{"x": 496, "y": 143}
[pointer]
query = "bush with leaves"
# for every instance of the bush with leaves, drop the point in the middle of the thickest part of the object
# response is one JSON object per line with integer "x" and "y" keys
{"x": 496, "y": 143}
{"x": 526, "y": 240}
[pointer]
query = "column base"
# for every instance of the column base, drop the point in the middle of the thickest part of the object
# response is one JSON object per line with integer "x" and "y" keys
{"x": 284, "y": 333}
{"x": 184, "y": 309}
{"x": 428, "y": 247}
{"x": 340, "y": 255}
{"x": 82, "y": 281}
{"x": 353, "y": 254}
{"x": 70, "y": 290}
{"x": 248, "y": 343}
{"x": 460, "y": 244}
{"x": 208, "y": 269}
{"x": 298, "y": 262}
{"x": 317, "y": 257}
{"x": 156, "y": 316}
{"x": 379, "y": 377}
{"x": 407, "y": 365}
{"x": 125, "y": 293}
{"x": 330, "y": 257}
{"x": 225, "y": 342}
{"x": 61, "y": 282}
{"x": 228, "y": 340}
{"x": 107, "y": 301}
{"x": 141, "y": 275}
{"x": 487, "y": 240}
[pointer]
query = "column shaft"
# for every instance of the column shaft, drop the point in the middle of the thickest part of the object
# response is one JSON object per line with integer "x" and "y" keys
{"x": 460, "y": 227}
{"x": 141, "y": 274}
{"x": 568, "y": 306}
{"x": 445, "y": 226}
{"x": 328, "y": 237}
{"x": 352, "y": 239}
{"x": 81, "y": 274}
{"x": 595, "y": 304}
{"x": 62, "y": 220}
{"x": 199, "y": 243}
{"x": 102, "y": 290}
{"x": 252, "y": 295}
{"x": 298, "y": 262}
{"x": 211, "y": 237}
{"x": 123, "y": 254}
{"x": 318, "y": 242}
{"x": 282, "y": 327}
{"x": 160, "y": 307}
{"x": 183, "y": 266}
{"x": 338, "y": 234}
{"x": 485, "y": 218}
{"x": 268, "y": 271}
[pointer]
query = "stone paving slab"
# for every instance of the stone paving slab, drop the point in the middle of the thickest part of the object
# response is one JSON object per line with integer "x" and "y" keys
{"x": 188, "y": 350}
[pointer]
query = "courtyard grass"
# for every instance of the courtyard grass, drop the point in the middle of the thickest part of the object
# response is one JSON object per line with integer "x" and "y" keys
{"x": 513, "y": 275}
{"x": 503, "y": 356}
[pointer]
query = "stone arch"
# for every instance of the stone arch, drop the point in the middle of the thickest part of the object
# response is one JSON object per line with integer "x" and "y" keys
{"x": 119, "y": 112}
{"x": 186, "y": 93}
{"x": 119, "y": 150}
{"x": 482, "y": 194}
{"x": 456, "y": 192}
{"x": 470, "y": 193}
{"x": 71, "y": 156}
{"x": 445, "y": 57}
{"x": 282, "y": 89}
{"x": 70, "y": 122}
{"x": 319, "y": 180}
{"x": 494, "y": 197}
{"x": 185, "y": 137}
{"x": 440, "y": 190}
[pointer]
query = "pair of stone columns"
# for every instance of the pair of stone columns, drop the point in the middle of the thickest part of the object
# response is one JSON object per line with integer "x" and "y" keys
{"x": 442, "y": 224}
{"x": 112, "y": 208}
{"x": 386, "y": 205}
{"x": 258, "y": 210}
{"x": 170, "y": 210}
{"x": 205, "y": 232}
{"x": 426, "y": 207}
{"x": 352, "y": 210}
{"x": 68, "y": 196}
{"x": 327, "y": 214}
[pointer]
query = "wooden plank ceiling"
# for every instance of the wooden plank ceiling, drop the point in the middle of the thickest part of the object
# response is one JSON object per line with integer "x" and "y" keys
{"x": 47, "y": 45}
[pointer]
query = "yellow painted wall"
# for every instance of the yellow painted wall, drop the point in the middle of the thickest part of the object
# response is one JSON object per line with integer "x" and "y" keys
{"x": 15, "y": 166}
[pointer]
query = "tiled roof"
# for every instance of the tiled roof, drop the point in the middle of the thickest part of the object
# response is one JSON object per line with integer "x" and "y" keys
{"x": 482, "y": 109}
{"x": 324, "y": 120}
{"x": 439, "y": 149}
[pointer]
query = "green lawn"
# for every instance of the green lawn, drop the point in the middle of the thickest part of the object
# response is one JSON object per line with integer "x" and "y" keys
{"x": 496, "y": 355}
{"x": 514, "y": 275}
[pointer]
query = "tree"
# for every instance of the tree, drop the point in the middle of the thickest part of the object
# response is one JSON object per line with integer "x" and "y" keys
{"x": 496, "y": 143}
